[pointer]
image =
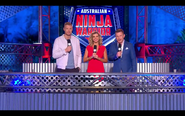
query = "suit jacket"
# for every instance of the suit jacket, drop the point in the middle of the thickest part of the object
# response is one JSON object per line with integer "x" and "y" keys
{"x": 61, "y": 56}
{"x": 128, "y": 61}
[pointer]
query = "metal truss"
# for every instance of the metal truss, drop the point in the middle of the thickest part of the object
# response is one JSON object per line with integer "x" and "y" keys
{"x": 171, "y": 53}
{"x": 15, "y": 48}
{"x": 93, "y": 82}
{"x": 44, "y": 19}
{"x": 159, "y": 50}
{"x": 141, "y": 24}
{"x": 168, "y": 53}
{"x": 13, "y": 55}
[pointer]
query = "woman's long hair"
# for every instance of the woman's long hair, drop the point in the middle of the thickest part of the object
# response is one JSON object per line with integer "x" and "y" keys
{"x": 91, "y": 38}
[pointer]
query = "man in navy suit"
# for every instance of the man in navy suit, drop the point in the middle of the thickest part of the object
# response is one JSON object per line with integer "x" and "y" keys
{"x": 122, "y": 53}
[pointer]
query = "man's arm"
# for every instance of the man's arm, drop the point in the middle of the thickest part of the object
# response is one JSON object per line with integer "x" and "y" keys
{"x": 57, "y": 52}
{"x": 112, "y": 53}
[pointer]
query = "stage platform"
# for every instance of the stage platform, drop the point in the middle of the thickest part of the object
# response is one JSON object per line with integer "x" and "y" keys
{"x": 92, "y": 91}
{"x": 39, "y": 87}
{"x": 93, "y": 82}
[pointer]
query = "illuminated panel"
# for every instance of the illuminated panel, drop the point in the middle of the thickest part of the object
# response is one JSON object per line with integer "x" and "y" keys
{"x": 85, "y": 20}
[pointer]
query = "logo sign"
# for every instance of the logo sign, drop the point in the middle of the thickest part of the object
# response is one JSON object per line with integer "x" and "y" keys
{"x": 86, "y": 20}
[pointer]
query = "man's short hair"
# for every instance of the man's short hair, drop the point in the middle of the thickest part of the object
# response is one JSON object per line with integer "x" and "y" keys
{"x": 67, "y": 23}
{"x": 119, "y": 30}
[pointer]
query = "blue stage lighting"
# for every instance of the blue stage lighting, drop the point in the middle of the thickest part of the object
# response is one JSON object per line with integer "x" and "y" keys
{"x": 183, "y": 82}
{"x": 17, "y": 82}
{"x": 28, "y": 82}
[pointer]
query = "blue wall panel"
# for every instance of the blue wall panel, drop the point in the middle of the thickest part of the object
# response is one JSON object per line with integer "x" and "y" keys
{"x": 163, "y": 27}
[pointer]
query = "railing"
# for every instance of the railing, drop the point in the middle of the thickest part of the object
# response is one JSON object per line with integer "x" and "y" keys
{"x": 12, "y": 55}
{"x": 174, "y": 54}
{"x": 93, "y": 82}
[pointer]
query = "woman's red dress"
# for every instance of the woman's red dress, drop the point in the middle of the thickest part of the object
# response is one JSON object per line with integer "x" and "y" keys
{"x": 95, "y": 65}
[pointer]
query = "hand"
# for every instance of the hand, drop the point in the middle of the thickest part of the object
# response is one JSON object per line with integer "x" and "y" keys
{"x": 119, "y": 54}
{"x": 95, "y": 55}
{"x": 68, "y": 49}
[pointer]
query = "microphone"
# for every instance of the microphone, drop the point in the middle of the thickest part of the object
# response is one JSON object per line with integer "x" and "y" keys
{"x": 68, "y": 42}
{"x": 94, "y": 50}
{"x": 119, "y": 48}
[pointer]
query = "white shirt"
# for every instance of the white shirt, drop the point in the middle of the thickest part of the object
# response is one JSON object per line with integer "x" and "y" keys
{"x": 61, "y": 56}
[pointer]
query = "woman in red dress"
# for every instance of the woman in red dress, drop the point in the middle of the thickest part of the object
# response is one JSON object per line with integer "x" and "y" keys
{"x": 97, "y": 59}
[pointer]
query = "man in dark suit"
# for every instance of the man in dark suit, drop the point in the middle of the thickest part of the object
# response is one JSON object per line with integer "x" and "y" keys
{"x": 122, "y": 53}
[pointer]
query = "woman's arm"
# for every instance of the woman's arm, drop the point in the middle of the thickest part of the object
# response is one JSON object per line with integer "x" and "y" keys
{"x": 86, "y": 58}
